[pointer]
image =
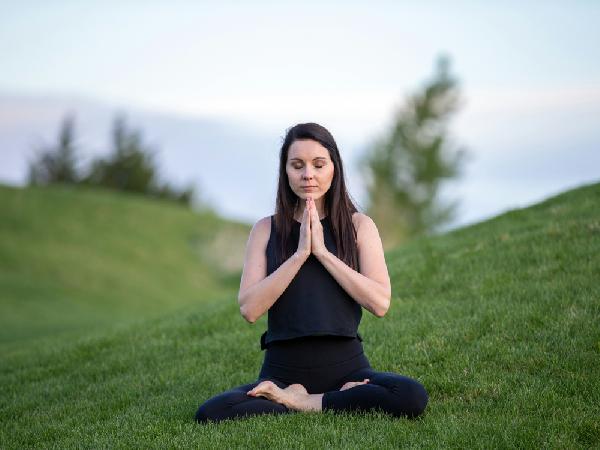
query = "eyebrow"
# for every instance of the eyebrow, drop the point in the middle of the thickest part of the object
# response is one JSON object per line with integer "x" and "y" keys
{"x": 318, "y": 157}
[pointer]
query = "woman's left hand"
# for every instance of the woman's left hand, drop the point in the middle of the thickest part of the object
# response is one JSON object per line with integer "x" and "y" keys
{"x": 316, "y": 239}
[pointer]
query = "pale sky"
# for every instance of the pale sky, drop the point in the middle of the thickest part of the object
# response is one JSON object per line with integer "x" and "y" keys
{"x": 529, "y": 71}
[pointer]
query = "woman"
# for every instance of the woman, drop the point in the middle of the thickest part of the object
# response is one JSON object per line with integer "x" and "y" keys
{"x": 313, "y": 266}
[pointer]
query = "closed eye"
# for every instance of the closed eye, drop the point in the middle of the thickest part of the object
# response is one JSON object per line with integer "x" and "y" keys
{"x": 317, "y": 167}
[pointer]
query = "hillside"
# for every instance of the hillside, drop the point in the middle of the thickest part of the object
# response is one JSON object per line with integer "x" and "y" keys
{"x": 73, "y": 260}
{"x": 499, "y": 321}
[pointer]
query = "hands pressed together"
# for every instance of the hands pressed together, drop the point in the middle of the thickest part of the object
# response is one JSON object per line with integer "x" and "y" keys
{"x": 295, "y": 396}
{"x": 311, "y": 231}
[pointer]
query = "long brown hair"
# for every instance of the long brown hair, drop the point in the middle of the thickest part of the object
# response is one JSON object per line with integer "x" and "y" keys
{"x": 338, "y": 205}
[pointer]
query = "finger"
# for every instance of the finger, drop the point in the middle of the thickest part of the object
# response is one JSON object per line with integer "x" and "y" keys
{"x": 315, "y": 212}
{"x": 306, "y": 218}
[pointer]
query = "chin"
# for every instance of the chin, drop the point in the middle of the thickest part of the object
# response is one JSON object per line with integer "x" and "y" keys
{"x": 313, "y": 195}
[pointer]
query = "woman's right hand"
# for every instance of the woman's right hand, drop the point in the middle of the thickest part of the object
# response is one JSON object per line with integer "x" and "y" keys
{"x": 304, "y": 244}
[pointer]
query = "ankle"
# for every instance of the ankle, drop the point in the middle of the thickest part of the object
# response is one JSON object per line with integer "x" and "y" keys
{"x": 313, "y": 402}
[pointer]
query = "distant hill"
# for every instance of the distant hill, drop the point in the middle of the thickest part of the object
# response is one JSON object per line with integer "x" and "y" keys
{"x": 74, "y": 259}
{"x": 498, "y": 320}
{"x": 204, "y": 151}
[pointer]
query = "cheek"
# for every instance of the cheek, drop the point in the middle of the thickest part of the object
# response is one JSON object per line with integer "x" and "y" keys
{"x": 330, "y": 176}
{"x": 292, "y": 178}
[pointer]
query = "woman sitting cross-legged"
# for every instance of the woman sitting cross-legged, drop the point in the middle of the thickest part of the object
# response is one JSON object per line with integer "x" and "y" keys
{"x": 313, "y": 266}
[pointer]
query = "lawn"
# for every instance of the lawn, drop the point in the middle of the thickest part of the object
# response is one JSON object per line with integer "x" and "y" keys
{"x": 499, "y": 321}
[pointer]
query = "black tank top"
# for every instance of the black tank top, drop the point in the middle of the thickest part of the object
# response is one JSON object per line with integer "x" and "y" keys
{"x": 313, "y": 304}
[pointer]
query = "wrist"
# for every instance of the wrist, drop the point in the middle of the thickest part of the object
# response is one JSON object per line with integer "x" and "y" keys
{"x": 301, "y": 256}
{"x": 320, "y": 253}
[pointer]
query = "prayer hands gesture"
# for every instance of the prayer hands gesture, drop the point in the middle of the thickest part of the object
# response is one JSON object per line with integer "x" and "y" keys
{"x": 311, "y": 231}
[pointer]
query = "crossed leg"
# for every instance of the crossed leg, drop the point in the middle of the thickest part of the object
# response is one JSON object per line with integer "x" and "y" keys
{"x": 392, "y": 393}
{"x": 236, "y": 403}
{"x": 395, "y": 394}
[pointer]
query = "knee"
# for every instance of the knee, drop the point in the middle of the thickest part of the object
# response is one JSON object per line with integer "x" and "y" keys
{"x": 203, "y": 414}
{"x": 217, "y": 408}
{"x": 408, "y": 397}
{"x": 415, "y": 399}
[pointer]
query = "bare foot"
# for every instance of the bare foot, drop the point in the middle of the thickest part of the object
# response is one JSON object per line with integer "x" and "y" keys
{"x": 298, "y": 396}
{"x": 351, "y": 384}
{"x": 294, "y": 396}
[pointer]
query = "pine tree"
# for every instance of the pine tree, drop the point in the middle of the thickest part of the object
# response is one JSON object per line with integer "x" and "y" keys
{"x": 130, "y": 166}
{"x": 56, "y": 164}
{"x": 406, "y": 168}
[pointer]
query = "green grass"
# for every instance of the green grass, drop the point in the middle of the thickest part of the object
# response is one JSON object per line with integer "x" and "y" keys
{"x": 499, "y": 320}
{"x": 76, "y": 260}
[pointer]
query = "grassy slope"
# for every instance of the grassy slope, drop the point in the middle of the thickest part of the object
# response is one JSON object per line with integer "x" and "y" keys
{"x": 499, "y": 321}
{"x": 72, "y": 260}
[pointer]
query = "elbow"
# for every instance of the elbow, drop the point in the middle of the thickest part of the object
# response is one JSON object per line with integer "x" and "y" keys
{"x": 383, "y": 308}
{"x": 380, "y": 313}
{"x": 244, "y": 309}
{"x": 248, "y": 318}
{"x": 246, "y": 315}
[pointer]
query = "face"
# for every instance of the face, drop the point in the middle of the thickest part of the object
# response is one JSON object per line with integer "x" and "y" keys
{"x": 308, "y": 164}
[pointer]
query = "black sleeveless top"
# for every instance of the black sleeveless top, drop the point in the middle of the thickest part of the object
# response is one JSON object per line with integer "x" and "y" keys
{"x": 313, "y": 304}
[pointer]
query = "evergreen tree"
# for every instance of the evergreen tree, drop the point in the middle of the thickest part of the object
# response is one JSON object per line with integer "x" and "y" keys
{"x": 405, "y": 168}
{"x": 130, "y": 167}
{"x": 56, "y": 164}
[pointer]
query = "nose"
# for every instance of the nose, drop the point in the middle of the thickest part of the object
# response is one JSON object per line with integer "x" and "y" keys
{"x": 307, "y": 175}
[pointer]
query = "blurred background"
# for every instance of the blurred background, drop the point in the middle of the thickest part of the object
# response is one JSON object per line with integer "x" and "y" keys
{"x": 139, "y": 140}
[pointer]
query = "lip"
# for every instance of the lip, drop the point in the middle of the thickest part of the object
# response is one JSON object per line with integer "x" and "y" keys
{"x": 308, "y": 187}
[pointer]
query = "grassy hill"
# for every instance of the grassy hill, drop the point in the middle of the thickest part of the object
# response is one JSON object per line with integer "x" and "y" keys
{"x": 499, "y": 320}
{"x": 77, "y": 260}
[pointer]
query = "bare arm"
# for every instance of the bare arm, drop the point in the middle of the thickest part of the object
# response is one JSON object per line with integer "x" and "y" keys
{"x": 258, "y": 291}
{"x": 370, "y": 287}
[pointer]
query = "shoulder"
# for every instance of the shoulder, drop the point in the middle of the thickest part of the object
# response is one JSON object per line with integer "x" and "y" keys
{"x": 366, "y": 229}
{"x": 362, "y": 220}
{"x": 262, "y": 228}
{"x": 263, "y": 224}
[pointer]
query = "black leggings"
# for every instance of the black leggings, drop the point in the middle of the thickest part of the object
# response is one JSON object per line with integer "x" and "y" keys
{"x": 322, "y": 364}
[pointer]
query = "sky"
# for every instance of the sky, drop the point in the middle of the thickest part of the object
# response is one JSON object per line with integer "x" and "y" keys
{"x": 529, "y": 73}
